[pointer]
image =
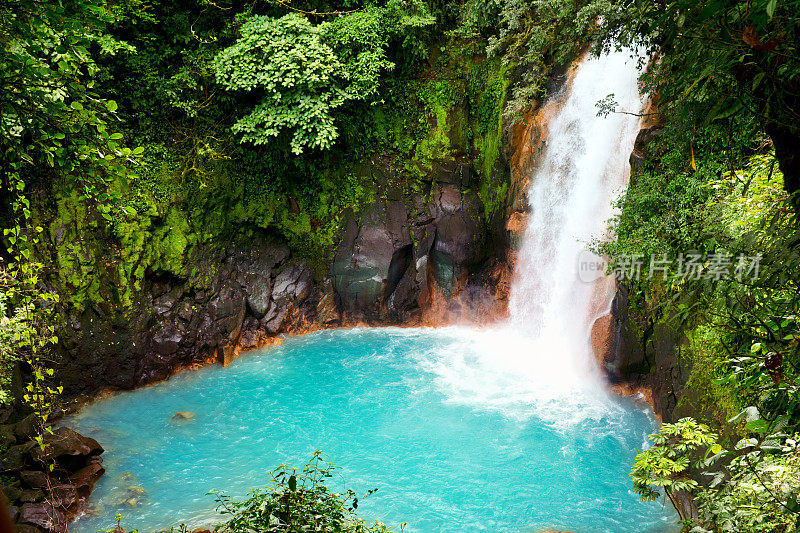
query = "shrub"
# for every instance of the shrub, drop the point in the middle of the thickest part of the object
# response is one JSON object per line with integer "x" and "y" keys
{"x": 296, "y": 502}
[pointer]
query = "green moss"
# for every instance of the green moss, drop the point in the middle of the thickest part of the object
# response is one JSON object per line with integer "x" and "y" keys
{"x": 487, "y": 88}
{"x": 70, "y": 231}
{"x": 451, "y": 112}
{"x": 435, "y": 146}
{"x": 704, "y": 396}
{"x": 168, "y": 246}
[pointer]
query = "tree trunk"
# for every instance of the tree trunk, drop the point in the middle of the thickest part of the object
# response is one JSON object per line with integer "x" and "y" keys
{"x": 787, "y": 151}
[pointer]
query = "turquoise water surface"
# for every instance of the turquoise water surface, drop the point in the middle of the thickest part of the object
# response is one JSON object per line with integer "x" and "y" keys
{"x": 455, "y": 439}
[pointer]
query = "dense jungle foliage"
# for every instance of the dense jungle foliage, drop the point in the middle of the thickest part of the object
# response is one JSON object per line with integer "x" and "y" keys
{"x": 135, "y": 131}
{"x": 718, "y": 188}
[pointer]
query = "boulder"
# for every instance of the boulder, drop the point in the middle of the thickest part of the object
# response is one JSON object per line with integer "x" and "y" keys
{"x": 228, "y": 309}
{"x": 29, "y": 496}
{"x": 163, "y": 304}
{"x": 258, "y": 292}
{"x": 27, "y": 528}
{"x": 273, "y": 320}
{"x": 28, "y": 427}
{"x": 7, "y": 437}
{"x": 293, "y": 283}
{"x": 43, "y": 515}
{"x": 12, "y": 493}
{"x": 251, "y": 334}
{"x": 65, "y": 497}
{"x": 16, "y": 457}
{"x": 84, "y": 479}
{"x": 327, "y": 311}
{"x": 362, "y": 272}
{"x": 168, "y": 336}
{"x": 68, "y": 448}
{"x": 35, "y": 479}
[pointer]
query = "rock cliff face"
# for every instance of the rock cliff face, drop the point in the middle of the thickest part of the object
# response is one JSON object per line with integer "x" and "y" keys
{"x": 236, "y": 294}
{"x": 639, "y": 356}
{"x": 389, "y": 261}
{"x": 410, "y": 257}
{"x": 636, "y": 354}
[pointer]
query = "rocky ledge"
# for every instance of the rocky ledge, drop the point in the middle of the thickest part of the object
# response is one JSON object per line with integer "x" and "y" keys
{"x": 46, "y": 485}
{"x": 410, "y": 258}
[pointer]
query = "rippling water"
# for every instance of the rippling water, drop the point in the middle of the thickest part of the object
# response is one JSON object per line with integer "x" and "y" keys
{"x": 452, "y": 442}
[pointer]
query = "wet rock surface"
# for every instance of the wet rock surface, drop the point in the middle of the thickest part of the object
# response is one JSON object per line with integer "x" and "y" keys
{"x": 391, "y": 260}
{"x": 47, "y": 486}
{"x": 234, "y": 293}
{"x": 644, "y": 356}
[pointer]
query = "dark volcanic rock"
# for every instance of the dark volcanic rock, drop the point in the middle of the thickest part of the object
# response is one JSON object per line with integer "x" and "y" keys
{"x": 7, "y": 437}
{"x": 176, "y": 322}
{"x": 15, "y": 458}
{"x": 12, "y": 493}
{"x": 292, "y": 284}
{"x": 28, "y": 427}
{"x": 31, "y": 496}
{"x": 64, "y": 496}
{"x": 43, "y": 515}
{"x": 45, "y": 499}
{"x": 167, "y": 336}
{"x": 35, "y": 479}
{"x": 361, "y": 264}
{"x": 84, "y": 480}
{"x": 66, "y": 447}
{"x": 258, "y": 293}
{"x": 27, "y": 528}
{"x": 643, "y": 138}
{"x": 381, "y": 267}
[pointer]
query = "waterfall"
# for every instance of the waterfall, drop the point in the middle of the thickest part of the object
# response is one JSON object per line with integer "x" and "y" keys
{"x": 540, "y": 363}
{"x": 584, "y": 165}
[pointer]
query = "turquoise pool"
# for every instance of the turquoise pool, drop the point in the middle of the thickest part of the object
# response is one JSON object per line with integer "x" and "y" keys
{"x": 446, "y": 423}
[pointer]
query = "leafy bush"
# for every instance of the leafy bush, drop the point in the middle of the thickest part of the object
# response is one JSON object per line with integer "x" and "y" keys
{"x": 12, "y": 328}
{"x": 760, "y": 495}
{"x": 304, "y": 72}
{"x": 296, "y": 502}
{"x": 676, "y": 448}
{"x": 754, "y": 488}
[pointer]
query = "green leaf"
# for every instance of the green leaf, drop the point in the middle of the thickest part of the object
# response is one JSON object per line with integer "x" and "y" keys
{"x": 757, "y": 426}
{"x": 771, "y": 5}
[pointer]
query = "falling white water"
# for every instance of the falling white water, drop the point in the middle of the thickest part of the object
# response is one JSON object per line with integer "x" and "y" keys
{"x": 541, "y": 363}
{"x": 584, "y": 165}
